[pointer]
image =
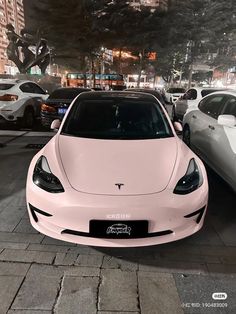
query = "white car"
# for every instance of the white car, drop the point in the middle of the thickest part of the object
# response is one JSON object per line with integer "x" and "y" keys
{"x": 190, "y": 101}
{"x": 211, "y": 132}
{"x": 173, "y": 93}
{"x": 20, "y": 101}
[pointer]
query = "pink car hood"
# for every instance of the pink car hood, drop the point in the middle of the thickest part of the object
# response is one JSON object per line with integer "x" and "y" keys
{"x": 96, "y": 166}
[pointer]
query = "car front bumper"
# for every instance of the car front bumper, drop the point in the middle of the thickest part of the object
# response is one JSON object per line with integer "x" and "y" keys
{"x": 72, "y": 210}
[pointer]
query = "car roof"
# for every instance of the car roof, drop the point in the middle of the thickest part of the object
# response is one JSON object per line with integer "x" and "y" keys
{"x": 116, "y": 94}
{"x": 223, "y": 91}
{"x": 73, "y": 89}
{"x": 15, "y": 81}
{"x": 207, "y": 88}
{"x": 143, "y": 90}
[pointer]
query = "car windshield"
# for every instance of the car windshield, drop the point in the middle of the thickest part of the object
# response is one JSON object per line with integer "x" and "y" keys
{"x": 176, "y": 90}
{"x": 66, "y": 93}
{"x": 206, "y": 92}
{"x": 4, "y": 86}
{"x": 148, "y": 91}
{"x": 117, "y": 119}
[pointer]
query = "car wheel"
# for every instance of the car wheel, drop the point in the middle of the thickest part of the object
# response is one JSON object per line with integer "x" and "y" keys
{"x": 28, "y": 119}
{"x": 187, "y": 136}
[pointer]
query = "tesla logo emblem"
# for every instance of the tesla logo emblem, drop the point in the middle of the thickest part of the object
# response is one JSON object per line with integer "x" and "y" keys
{"x": 119, "y": 185}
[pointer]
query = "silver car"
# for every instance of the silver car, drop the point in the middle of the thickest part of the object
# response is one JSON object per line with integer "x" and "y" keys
{"x": 211, "y": 132}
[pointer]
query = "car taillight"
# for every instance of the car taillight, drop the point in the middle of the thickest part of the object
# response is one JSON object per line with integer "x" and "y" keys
{"x": 8, "y": 97}
{"x": 47, "y": 108}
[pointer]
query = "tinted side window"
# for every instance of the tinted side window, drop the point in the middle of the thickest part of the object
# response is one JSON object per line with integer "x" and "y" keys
{"x": 36, "y": 89}
{"x": 213, "y": 105}
{"x": 26, "y": 88}
{"x": 230, "y": 106}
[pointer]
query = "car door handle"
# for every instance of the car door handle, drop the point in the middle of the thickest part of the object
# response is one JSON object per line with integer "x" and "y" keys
{"x": 211, "y": 127}
{"x": 194, "y": 117}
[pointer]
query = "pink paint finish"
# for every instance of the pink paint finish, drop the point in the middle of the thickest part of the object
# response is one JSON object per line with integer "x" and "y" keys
{"x": 144, "y": 167}
{"x": 89, "y": 171}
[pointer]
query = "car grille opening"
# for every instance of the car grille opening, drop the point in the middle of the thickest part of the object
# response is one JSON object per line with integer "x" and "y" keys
{"x": 35, "y": 210}
{"x": 85, "y": 234}
{"x": 199, "y": 212}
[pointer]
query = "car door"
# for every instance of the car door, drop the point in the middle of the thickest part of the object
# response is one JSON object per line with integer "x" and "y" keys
{"x": 36, "y": 90}
{"x": 204, "y": 123}
{"x": 31, "y": 97}
{"x": 38, "y": 95}
{"x": 223, "y": 144}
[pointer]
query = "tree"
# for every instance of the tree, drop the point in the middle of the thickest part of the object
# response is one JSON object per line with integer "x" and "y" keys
{"x": 72, "y": 30}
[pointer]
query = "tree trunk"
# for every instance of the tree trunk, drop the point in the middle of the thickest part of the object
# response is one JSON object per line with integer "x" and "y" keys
{"x": 190, "y": 77}
{"x": 120, "y": 62}
{"x": 140, "y": 68}
{"x": 93, "y": 72}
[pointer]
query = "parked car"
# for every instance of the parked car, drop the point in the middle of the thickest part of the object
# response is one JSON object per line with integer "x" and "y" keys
{"x": 116, "y": 174}
{"x": 20, "y": 101}
{"x": 173, "y": 93}
{"x": 211, "y": 133}
{"x": 190, "y": 101}
{"x": 153, "y": 92}
{"x": 57, "y": 104}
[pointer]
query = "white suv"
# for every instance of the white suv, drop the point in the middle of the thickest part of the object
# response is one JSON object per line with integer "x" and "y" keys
{"x": 189, "y": 101}
{"x": 20, "y": 101}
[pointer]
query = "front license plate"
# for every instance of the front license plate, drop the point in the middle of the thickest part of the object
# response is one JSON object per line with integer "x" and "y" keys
{"x": 114, "y": 229}
{"x": 62, "y": 110}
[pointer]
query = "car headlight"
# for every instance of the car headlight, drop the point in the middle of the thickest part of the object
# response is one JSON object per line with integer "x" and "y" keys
{"x": 45, "y": 179}
{"x": 191, "y": 181}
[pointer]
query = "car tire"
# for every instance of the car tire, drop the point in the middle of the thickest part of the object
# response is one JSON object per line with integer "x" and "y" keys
{"x": 187, "y": 136}
{"x": 28, "y": 118}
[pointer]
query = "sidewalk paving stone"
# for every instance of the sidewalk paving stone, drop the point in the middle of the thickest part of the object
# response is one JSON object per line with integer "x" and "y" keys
{"x": 78, "y": 296}
{"x": 9, "y": 286}
{"x": 60, "y": 271}
{"x": 118, "y": 291}
{"x": 28, "y": 312}
{"x": 12, "y": 245}
{"x": 48, "y": 240}
{"x": 10, "y": 217}
{"x": 65, "y": 258}
{"x": 20, "y": 237}
{"x": 48, "y": 248}
{"x": 24, "y": 226}
{"x": 89, "y": 260}
{"x": 158, "y": 294}
{"x": 27, "y": 256}
{"x": 13, "y": 269}
{"x": 38, "y": 292}
{"x": 161, "y": 266}
{"x": 105, "y": 312}
{"x": 118, "y": 263}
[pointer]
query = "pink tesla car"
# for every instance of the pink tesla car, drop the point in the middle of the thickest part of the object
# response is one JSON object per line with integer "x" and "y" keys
{"x": 116, "y": 174}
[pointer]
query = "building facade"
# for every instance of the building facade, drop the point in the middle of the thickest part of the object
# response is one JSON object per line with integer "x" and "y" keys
{"x": 11, "y": 11}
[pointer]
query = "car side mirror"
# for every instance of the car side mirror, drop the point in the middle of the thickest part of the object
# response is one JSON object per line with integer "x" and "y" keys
{"x": 178, "y": 127}
{"x": 227, "y": 120}
{"x": 55, "y": 124}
